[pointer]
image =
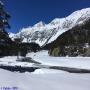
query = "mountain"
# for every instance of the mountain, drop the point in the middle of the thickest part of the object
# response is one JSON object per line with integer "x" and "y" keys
{"x": 74, "y": 42}
{"x": 43, "y": 34}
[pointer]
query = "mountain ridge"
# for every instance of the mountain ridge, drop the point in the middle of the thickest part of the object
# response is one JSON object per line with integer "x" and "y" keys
{"x": 42, "y": 33}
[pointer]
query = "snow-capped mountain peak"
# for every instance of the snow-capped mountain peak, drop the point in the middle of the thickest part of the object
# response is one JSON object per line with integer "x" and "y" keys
{"x": 42, "y": 33}
{"x": 57, "y": 21}
{"x": 40, "y": 24}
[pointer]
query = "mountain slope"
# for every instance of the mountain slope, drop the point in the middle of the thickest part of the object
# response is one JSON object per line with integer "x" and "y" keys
{"x": 42, "y": 33}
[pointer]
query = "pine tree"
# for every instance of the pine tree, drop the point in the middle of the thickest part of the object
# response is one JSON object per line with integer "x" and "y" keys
{"x": 4, "y": 17}
{"x": 5, "y": 41}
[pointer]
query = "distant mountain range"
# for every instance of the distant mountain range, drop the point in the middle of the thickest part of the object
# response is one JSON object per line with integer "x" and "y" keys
{"x": 43, "y": 34}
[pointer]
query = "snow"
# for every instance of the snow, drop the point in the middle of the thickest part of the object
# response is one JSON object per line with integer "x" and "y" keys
{"x": 47, "y": 71}
{"x": 9, "y": 58}
{"x": 46, "y": 61}
{"x": 11, "y": 35}
{"x": 11, "y": 61}
{"x": 40, "y": 24}
{"x": 42, "y": 33}
{"x": 58, "y": 81}
{"x": 73, "y": 62}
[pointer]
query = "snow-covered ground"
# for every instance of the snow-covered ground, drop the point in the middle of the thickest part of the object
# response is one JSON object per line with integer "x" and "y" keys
{"x": 45, "y": 59}
{"x": 47, "y": 71}
{"x": 58, "y": 81}
{"x": 44, "y": 78}
{"x": 73, "y": 62}
{"x": 11, "y": 61}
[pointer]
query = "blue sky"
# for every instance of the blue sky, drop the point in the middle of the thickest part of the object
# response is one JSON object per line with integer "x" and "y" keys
{"x": 26, "y": 13}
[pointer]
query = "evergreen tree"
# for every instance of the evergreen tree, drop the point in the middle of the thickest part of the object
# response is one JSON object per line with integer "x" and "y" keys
{"x": 5, "y": 41}
{"x": 4, "y": 16}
